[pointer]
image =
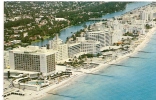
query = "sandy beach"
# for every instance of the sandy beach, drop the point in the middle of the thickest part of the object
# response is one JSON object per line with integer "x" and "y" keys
{"x": 30, "y": 95}
{"x": 126, "y": 33}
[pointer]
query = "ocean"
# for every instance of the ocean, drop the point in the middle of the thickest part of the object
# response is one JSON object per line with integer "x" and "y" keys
{"x": 135, "y": 80}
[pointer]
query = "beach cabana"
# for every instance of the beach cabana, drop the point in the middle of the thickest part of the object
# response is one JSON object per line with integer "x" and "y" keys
{"x": 108, "y": 55}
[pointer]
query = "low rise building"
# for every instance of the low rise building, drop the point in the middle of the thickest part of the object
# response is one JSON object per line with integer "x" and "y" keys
{"x": 60, "y": 19}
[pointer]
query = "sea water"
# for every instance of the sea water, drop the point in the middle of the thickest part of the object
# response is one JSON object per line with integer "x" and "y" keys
{"x": 135, "y": 80}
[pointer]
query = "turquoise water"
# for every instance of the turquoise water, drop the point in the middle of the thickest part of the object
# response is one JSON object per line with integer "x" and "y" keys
{"x": 36, "y": 82}
{"x": 136, "y": 80}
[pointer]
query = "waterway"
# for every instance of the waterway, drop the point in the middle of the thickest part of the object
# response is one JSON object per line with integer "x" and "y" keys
{"x": 71, "y": 30}
{"x": 135, "y": 80}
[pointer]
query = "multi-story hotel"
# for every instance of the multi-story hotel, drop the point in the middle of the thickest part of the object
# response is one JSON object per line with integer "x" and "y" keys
{"x": 33, "y": 58}
{"x": 104, "y": 37}
{"x": 83, "y": 46}
{"x": 116, "y": 30}
{"x": 147, "y": 14}
{"x": 62, "y": 48}
{"x": 116, "y": 36}
{"x": 74, "y": 49}
{"x": 89, "y": 46}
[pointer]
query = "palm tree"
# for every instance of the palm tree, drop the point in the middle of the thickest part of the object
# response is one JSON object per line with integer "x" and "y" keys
{"x": 19, "y": 85}
{"x": 8, "y": 74}
{"x": 129, "y": 40}
{"x": 79, "y": 57}
{"x": 37, "y": 83}
{"x": 89, "y": 27}
{"x": 103, "y": 57}
{"x": 24, "y": 83}
{"x": 84, "y": 26}
{"x": 41, "y": 75}
{"x": 75, "y": 58}
{"x": 65, "y": 63}
{"x": 24, "y": 80}
{"x": 76, "y": 61}
{"x": 127, "y": 47}
{"x": 12, "y": 82}
{"x": 86, "y": 59}
{"x": 38, "y": 77}
{"x": 122, "y": 47}
{"x": 98, "y": 54}
{"x": 123, "y": 41}
{"x": 90, "y": 60}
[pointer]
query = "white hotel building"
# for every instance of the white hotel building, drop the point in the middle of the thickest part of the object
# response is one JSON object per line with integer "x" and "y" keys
{"x": 116, "y": 30}
{"x": 74, "y": 49}
{"x": 61, "y": 48}
{"x": 116, "y": 36}
{"x": 33, "y": 58}
{"x": 104, "y": 37}
{"x": 83, "y": 46}
{"x": 147, "y": 13}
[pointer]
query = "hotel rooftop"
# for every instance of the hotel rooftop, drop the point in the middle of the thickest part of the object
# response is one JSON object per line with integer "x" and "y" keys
{"x": 34, "y": 50}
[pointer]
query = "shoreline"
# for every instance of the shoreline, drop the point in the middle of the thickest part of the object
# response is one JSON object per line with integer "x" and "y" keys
{"x": 75, "y": 77}
{"x": 38, "y": 95}
{"x": 46, "y": 37}
{"x": 87, "y": 21}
